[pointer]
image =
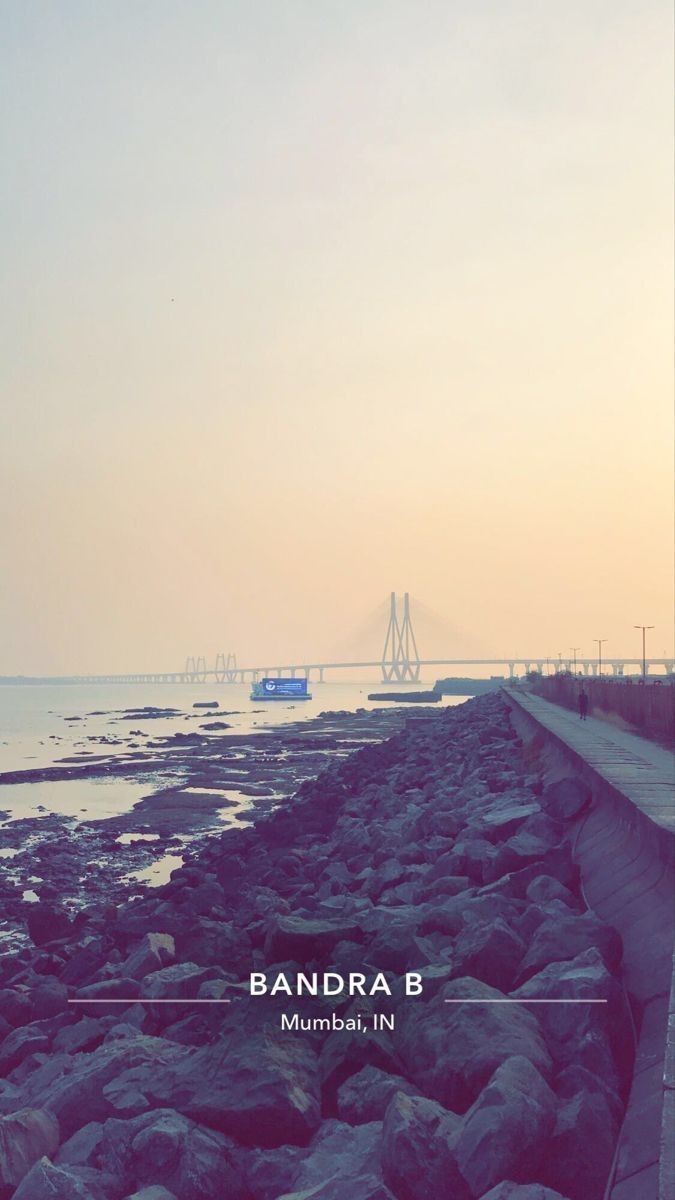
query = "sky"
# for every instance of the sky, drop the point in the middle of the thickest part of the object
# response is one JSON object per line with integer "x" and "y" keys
{"x": 304, "y": 303}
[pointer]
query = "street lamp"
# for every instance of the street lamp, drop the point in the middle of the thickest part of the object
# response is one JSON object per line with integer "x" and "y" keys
{"x": 573, "y": 651}
{"x": 644, "y": 629}
{"x": 600, "y": 643}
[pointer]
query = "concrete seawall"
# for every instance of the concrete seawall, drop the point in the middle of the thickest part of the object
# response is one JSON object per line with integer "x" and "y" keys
{"x": 624, "y": 846}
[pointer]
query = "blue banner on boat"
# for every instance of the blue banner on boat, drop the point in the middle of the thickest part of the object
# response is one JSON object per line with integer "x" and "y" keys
{"x": 285, "y": 687}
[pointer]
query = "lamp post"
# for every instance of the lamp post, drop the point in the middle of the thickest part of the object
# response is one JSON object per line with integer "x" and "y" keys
{"x": 573, "y": 652}
{"x": 600, "y": 643}
{"x": 644, "y": 629}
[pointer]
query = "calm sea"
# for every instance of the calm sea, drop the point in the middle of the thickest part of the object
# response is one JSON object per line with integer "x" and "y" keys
{"x": 41, "y": 724}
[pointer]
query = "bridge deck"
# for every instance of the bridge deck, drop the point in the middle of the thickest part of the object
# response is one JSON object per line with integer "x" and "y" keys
{"x": 642, "y": 771}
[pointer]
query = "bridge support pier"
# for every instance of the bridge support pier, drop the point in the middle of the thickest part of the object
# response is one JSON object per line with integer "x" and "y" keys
{"x": 400, "y": 656}
{"x": 320, "y": 674}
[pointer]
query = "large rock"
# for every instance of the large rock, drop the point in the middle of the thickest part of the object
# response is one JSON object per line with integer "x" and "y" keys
{"x": 418, "y": 1159}
{"x": 365, "y": 1096}
{"x": 581, "y": 1034}
{"x": 504, "y": 1132}
{"x": 346, "y": 1051}
{"x": 25, "y": 1137}
{"x": 163, "y": 1147}
{"x": 450, "y": 1050}
{"x": 44, "y": 1181}
{"x": 504, "y": 819}
{"x": 214, "y": 943}
{"x": 85, "y": 1034}
{"x": 154, "y": 951}
{"x": 73, "y": 1087}
{"x": 304, "y": 939}
{"x": 107, "y": 989}
{"x": 158, "y": 1148}
{"x": 521, "y": 1191}
{"x": 263, "y": 1089}
{"x": 579, "y": 1154}
{"x": 47, "y": 923}
{"x": 567, "y": 798}
{"x": 544, "y": 888}
{"x": 154, "y": 1192}
{"x": 342, "y": 1164}
{"x": 269, "y": 1173}
{"x": 27, "y": 1039}
{"x": 490, "y": 952}
{"x": 564, "y": 936}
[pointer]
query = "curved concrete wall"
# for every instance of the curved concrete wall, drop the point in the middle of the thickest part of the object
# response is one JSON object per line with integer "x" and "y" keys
{"x": 626, "y": 863}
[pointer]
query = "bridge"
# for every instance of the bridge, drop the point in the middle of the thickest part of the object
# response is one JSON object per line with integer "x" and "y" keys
{"x": 399, "y": 662}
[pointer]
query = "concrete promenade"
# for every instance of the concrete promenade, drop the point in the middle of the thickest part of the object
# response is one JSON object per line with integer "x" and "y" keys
{"x": 641, "y": 770}
{"x": 624, "y": 845}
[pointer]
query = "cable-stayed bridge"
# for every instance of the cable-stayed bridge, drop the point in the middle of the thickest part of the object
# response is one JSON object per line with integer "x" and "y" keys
{"x": 399, "y": 662}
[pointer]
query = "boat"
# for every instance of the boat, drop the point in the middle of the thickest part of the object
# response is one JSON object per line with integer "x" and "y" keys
{"x": 280, "y": 689}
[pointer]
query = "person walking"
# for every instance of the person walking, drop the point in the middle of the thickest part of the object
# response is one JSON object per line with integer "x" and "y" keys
{"x": 583, "y": 704}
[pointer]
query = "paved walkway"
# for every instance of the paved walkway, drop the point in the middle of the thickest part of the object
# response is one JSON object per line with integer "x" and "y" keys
{"x": 639, "y": 769}
{"x": 628, "y": 880}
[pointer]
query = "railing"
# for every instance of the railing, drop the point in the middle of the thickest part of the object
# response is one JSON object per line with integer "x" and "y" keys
{"x": 648, "y": 707}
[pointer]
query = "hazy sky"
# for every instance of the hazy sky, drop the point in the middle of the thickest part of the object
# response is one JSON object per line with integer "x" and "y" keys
{"x": 306, "y": 300}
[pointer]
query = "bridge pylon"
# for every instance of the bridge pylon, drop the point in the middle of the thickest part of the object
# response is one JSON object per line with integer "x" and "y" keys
{"x": 400, "y": 656}
{"x": 225, "y": 669}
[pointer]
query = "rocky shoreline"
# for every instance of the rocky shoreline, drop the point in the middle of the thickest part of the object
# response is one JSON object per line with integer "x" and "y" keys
{"x": 439, "y": 851}
{"x": 191, "y": 785}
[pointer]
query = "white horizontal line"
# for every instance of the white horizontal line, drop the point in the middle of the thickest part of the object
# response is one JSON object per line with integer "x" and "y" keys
{"x": 146, "y": 1000}
{"x": 479, "y": 1000}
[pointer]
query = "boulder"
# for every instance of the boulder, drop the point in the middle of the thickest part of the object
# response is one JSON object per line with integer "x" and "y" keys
{"x": 27, "y": 1039}
{"x": 304, "y": 939}
{"x": 520, "y": 850}
{"x": 566, "y": 799}
{"x": 502, "y": 820}
{"x": 262, "y": 1089}
{"x": 73, "y": 1087}
{"x": 49, "y": 998}
{"x": 81, "y": 1150}
{"x": 544, "y": 888}
{"x": 214, "y": 943}
{"x": 269, "y": 1173}
{"x": 343, "y": 1163}
{"x": 451, "y": 1050}
{"x": 418, "y": 1159}
{"x": 505, "y": 1130}
{"x": 581, "y": 1035}
{"x": 85, "y": 1034}
{"x": 44, "y": 1181}
{"x": 164, "y": 1148}
{"x": 154, "y": 1192}
{"x": 579, "y": 1153}
{"x": 575, "y": 1078}
{"x": 346, "y": 1051}
{"x": 565, "y": 936}
{"x": 25, "y": 1137}
{"x": 84, "y": 963}
{"x": 47, "y": 923}
{"x": 490, "y": 952}
{"x": 116, "y": 989}
{"x": 521, "y": 1191}
{"x": 365, "y": 1096}
{"x": 154, "y": 951}
{"x": 158, "y": 1148}
{"x": 178, "y": 981}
